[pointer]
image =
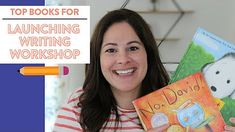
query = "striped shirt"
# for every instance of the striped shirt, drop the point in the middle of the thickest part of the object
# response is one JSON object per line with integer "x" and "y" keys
{"x": 68, "y": 118}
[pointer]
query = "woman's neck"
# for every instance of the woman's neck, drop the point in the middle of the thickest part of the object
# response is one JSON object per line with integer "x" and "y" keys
{"x": 124, "y": 98}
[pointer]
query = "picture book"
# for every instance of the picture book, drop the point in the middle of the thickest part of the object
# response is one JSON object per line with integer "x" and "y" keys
{"x": 186, "y": 105}
{"x": 215, "y": 57}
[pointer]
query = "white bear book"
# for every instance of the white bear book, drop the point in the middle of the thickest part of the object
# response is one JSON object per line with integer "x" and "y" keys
{"x": 215, "y": 57}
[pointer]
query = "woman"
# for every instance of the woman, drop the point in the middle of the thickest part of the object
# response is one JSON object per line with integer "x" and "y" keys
{"x": 125, "y": 65}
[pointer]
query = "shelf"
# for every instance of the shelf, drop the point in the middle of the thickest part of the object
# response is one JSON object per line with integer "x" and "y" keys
{"x": 164, "y": 11}
{"x": 167, "y": 39}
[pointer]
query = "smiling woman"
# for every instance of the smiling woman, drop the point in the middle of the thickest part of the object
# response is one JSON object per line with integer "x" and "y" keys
{"x": 123, "y": 60}
{"x": 125, "y": 65}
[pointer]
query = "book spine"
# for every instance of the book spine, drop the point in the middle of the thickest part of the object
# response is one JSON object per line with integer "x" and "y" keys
{"x": 178, "y": 69}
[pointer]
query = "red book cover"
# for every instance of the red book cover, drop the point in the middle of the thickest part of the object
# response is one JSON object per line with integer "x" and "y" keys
{"x": 187, "y": 105}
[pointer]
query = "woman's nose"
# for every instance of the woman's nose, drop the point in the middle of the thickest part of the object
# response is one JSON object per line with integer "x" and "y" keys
{"x": 123, "y": 57}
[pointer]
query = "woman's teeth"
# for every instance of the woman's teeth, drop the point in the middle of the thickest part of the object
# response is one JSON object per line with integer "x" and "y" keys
{"x": 123, "y": 72}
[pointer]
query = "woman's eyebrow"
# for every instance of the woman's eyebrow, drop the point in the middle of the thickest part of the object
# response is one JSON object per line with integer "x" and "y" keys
{"x": 115, "y": 44}
{"x": 107, "y": 44}
{"x": 134, "y": 41}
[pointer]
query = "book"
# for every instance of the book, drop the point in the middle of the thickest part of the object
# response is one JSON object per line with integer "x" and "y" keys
{"x": 215, "y": 57}
{"x": 186, "y": 105}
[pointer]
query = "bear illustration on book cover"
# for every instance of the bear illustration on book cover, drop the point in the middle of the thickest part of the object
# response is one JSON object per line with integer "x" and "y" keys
{"x": 215, "y": 57}
{"x": 187, "y": 105}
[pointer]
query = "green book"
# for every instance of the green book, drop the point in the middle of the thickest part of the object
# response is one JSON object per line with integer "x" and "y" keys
{"x": 215, "y": 58}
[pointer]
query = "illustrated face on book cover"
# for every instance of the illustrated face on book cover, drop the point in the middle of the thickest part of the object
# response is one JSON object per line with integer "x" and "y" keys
{"x": 220, "y": 76}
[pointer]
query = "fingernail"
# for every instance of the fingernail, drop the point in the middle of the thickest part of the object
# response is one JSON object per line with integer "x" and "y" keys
{"x": 232, "y": 119}
{"x": 226, "y": 126}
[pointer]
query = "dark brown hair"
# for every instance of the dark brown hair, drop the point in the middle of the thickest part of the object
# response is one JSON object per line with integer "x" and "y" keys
{"x": 98, "y": 101}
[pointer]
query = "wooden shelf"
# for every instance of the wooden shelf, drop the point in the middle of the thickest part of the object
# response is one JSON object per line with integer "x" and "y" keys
{"x": 167, "y": 39}
{"x": 164, "y": 11}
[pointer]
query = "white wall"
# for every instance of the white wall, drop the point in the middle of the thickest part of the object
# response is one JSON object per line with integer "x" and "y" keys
{"x": 74, "y": 79}
{"x": 216, "y": 16}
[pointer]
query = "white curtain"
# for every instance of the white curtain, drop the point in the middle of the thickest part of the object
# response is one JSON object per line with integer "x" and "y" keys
{"x": 54, "y": 86}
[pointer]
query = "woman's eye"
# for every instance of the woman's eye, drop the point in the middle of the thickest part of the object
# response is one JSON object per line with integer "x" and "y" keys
{"x": 110, "y": 50}
{"x": 134, "y": 48}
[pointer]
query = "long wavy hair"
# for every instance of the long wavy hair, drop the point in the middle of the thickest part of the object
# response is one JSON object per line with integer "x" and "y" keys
{"x": 97, "y": 101}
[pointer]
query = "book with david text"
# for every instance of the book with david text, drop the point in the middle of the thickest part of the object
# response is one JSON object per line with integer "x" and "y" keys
{"x": 186, "y": 105}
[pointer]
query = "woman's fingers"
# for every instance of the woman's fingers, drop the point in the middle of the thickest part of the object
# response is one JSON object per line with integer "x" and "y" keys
{"x": 228, "y": 128}
{"x": 232, "y": 119}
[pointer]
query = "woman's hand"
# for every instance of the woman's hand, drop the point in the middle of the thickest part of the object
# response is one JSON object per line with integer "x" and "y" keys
{"x": 228, "y": 128}
{"x": 159, "y": 129}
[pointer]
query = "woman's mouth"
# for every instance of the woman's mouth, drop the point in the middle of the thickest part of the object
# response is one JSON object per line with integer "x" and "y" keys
{"x": 125, "y": 71}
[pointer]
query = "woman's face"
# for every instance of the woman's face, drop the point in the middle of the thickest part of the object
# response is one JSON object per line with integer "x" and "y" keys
{"x": 123, "y": 58}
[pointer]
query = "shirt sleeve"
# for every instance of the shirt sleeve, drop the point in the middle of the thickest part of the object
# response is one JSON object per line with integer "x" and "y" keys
{"x": 68, "y": 115}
